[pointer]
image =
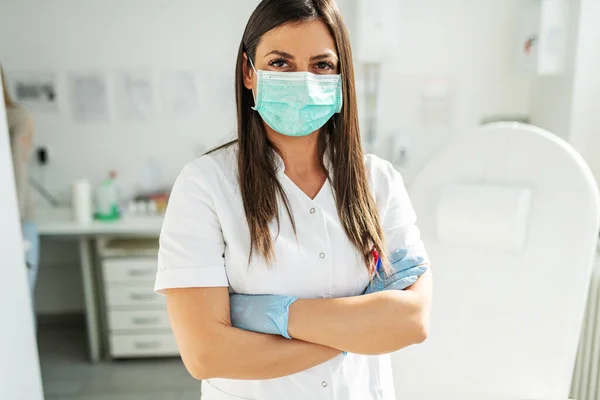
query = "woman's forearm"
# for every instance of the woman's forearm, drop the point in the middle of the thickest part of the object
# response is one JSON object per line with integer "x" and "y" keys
{"x": 211, "y": 348}
{"x": 371, "y": 324}
{"x": 239, "y": 354}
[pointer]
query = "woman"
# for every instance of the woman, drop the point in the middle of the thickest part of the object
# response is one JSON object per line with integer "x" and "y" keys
{"x": 291, "y": 218}
{"x": 20, "y": 129}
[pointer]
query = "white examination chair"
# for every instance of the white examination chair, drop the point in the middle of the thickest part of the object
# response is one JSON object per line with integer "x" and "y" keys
{"x": 510, "y": 218}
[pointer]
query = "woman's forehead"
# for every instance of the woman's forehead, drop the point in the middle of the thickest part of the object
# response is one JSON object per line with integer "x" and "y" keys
{"x": 301, "y": 40}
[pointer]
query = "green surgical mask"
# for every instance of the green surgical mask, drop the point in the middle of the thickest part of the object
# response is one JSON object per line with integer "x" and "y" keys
{"x": 297, "y": 103}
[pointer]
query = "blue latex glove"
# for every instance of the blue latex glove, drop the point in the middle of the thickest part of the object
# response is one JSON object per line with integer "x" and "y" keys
{"x": 261, "y": 313}
{"x": 405, "y": 270}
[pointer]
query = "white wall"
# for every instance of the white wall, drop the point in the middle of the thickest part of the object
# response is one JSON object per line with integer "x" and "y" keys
{"x": 551, "y": 96}
{"x": 585, "y": 120}
{"x": 19, "y": 365}
{"x": 568, "y": 104}
{"x": 470, "y": 42}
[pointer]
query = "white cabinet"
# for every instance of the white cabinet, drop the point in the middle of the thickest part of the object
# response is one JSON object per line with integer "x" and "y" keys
{"x": 120, "y": 294}
{"x": 142, "y": 345}
{"x": 136, "y": 318}
{"x": 129, "y": 269}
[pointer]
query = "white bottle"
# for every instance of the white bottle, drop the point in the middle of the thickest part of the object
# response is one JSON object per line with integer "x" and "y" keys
{"x": 81, "y": 201}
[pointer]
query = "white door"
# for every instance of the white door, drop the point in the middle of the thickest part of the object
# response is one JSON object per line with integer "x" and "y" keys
{"x": 20, "y": 377}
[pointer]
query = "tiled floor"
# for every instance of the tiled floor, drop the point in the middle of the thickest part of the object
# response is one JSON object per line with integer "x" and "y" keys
{"x": 67, "y": 375}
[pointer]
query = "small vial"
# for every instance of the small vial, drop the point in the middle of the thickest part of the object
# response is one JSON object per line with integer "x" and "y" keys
{"x": 142, "y": 206}
{"x": 132, "y": 208}
{"x": 152, "y": 207}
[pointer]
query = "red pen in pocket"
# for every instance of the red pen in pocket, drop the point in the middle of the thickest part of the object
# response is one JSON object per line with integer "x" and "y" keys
{"x": 376, "y": 261}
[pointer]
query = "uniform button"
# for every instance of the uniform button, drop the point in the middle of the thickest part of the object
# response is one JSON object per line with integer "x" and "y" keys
{"x": 322, "y": 255}
{"x": 324, "y": 384}
{"x": 312, "y": 211}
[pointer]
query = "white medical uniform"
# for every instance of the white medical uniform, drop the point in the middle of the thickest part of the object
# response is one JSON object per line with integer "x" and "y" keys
{"x": 205, "y": 242}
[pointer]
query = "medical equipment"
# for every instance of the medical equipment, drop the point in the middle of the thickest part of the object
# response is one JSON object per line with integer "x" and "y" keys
{"x": 506, "y": 314}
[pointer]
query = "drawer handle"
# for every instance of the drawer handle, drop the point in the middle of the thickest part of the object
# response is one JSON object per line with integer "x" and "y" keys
{"x": 145, "y": 321}
{"x": 142, "y": 296}
{"x": 137, "y": 273}
{"x": 147, "y": 345}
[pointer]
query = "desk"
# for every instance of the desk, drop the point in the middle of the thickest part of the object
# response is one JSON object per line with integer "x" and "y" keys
{"x": 59, "y": 223}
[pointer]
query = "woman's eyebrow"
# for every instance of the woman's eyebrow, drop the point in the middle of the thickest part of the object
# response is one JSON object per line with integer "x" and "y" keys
{"x": 324, "y": 56}
{"x": 281, "y": 54}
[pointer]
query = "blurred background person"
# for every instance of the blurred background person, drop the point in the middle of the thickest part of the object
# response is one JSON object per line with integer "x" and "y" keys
{"x": 21, "y": 132}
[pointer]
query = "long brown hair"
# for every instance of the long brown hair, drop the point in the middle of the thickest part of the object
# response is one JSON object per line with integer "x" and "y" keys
{"x": 340, "y": 137}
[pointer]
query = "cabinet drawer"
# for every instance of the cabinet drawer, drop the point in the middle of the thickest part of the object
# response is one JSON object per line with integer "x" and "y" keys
{"x": 129, "y": 269}
{"x": 159, "y": 345}
{"x": 142, "y": 319}
{"x": 133, "y": 296}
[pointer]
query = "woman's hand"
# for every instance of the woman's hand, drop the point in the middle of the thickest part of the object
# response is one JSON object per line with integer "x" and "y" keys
{"x": 405, "y": 270}
{"x": 377, "y": 323}
{"x": 261, "y": 313}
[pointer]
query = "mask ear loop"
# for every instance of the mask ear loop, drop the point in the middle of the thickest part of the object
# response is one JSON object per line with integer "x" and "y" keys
{"x": 256, "y": 73}
{"x": 252, "y": 64}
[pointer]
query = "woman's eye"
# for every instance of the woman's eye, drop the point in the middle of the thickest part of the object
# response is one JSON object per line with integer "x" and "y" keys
{"x": 325, "y": 65}
{"x": 278, "y": 63}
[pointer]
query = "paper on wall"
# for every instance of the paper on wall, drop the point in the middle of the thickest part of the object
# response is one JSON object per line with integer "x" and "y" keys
{"x": 88, "y": 97}
{"x": 135, "y": 95}
{"x": 36, "y": 90}
{"x": 179, "y": 92}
